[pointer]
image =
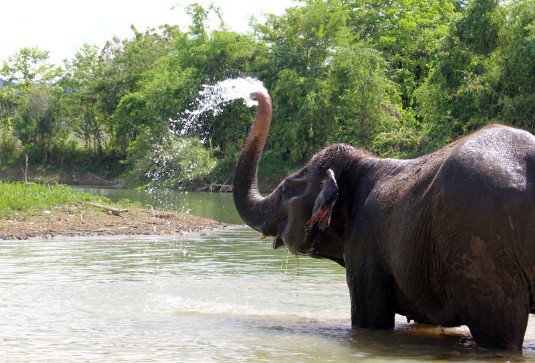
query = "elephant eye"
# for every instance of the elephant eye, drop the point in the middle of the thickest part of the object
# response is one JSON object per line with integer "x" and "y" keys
{"x": 285, "y": 190}
{"x": 293, "y": 187}
{"x": 322, "y": 184}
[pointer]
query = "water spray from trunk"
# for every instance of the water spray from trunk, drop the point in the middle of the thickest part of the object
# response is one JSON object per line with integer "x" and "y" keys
{"x": 172, "y": 159}
{"x": 212, "y": 98}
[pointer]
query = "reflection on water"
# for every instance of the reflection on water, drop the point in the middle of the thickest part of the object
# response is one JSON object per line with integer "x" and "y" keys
{"x": 221, "y": 297}
{"x": 218, "y": 206}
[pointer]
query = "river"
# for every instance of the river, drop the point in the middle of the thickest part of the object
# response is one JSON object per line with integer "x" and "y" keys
{"x": 221, "y": 296}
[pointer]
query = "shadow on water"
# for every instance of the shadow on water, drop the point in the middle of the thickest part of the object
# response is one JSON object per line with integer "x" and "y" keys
{"x": 296, "y": 338}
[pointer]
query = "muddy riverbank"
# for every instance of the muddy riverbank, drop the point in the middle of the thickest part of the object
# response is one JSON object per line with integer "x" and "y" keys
{"x": 88, "y": 220}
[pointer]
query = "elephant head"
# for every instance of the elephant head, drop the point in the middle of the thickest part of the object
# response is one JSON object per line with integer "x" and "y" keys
{"x": 299, "y": 213}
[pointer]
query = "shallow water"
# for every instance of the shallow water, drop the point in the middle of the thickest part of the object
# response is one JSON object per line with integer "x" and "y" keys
{"x": 219, "y": 206}
{"x": 221, "y": 297}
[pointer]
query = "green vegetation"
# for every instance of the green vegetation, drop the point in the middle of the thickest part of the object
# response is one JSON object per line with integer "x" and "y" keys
{"x": 26, "y": 199}
{"x": 396, "y": 77}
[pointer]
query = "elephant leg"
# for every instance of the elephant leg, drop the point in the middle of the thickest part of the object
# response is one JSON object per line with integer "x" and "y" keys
{"x": 502, "y": 328}
{"x": 372, "y": 298}
{"x": 496, "y": 310}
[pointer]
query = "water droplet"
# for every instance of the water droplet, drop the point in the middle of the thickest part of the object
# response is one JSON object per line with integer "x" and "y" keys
{"x": 166, "y": 152}
{"x": 212, "y": 98}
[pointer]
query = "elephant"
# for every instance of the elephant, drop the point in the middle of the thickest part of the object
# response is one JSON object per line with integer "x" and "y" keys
{"x": 447, "y": 238}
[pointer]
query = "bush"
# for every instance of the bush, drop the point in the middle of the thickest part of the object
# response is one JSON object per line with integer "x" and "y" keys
{"x": 175, "y": 162}
{"x": 9, "y": 147}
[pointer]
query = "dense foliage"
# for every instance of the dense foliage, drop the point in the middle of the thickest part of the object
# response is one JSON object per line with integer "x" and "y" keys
{"x": 397, "y": 77}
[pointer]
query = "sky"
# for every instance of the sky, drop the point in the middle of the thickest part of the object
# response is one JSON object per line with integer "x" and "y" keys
{"x": 63, "y": 26}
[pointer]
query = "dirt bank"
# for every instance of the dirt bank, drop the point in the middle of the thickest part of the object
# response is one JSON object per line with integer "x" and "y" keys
{"x": 90, "y": 220}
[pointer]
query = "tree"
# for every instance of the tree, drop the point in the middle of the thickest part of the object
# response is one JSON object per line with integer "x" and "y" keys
{"x": 80, "y": 99}
{"x": 165, "y": 91}
{"x": 366, "y": 100}
{"x": 407, "y": 32}
{"x": 8, "y": 105}
{"x": 515, "y": 84}
{"x": 294, "y": 66}
{"x": 29, "y": 67}
{"x": 122, "y": 65}
{"x": 9, "y": 144}
{"x": 37, "y": 120}
{"x": 38, "y": 124}
{"x": 485, "y": 71}
{"x": 326, "y": 86}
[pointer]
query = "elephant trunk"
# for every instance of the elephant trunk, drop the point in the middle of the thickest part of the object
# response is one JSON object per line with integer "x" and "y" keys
{"x": 255, "y": 210}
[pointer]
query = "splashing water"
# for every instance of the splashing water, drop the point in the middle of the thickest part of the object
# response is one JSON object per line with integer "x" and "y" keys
{"x": 212, "y": 98}
{"x": 168, "y": 156}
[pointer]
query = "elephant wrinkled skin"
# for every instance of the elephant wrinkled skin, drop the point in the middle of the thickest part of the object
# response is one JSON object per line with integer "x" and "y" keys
{"x": 447, "y": 238}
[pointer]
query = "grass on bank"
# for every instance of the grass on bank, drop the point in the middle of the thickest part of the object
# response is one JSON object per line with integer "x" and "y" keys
{"x": 18, "y": 199}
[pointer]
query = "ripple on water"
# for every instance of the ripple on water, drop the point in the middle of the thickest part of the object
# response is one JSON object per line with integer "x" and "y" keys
{"x": 225, "y": 296}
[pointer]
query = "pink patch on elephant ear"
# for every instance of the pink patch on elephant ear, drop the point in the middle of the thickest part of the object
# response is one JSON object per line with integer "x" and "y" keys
{"x": 324, "y": 203}
{"x": 322, "y": 216}
{"x": 325, "y": 221}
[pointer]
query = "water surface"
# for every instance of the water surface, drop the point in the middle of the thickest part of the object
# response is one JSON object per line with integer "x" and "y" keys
{"x": 222, "y": 296}
{"x": 218, "y": 206}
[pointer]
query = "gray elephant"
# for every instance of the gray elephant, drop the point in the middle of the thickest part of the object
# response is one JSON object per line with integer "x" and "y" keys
{"x": 447, "y": 238}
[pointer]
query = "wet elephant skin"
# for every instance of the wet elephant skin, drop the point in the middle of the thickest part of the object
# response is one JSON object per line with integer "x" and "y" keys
{"x": 447, "y": 238}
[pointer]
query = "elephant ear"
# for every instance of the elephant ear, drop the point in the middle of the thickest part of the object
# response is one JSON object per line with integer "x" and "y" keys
{"x": 323, "y": 206}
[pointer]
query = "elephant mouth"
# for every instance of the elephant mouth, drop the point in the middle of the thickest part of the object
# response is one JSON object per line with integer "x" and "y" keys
{"x": 313, "y": 251}
{"x": 317, "y": 247}
{"x": 312, "y": 239}
{"x": 278, "y": 242}
{"x": 305, "y": 248}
